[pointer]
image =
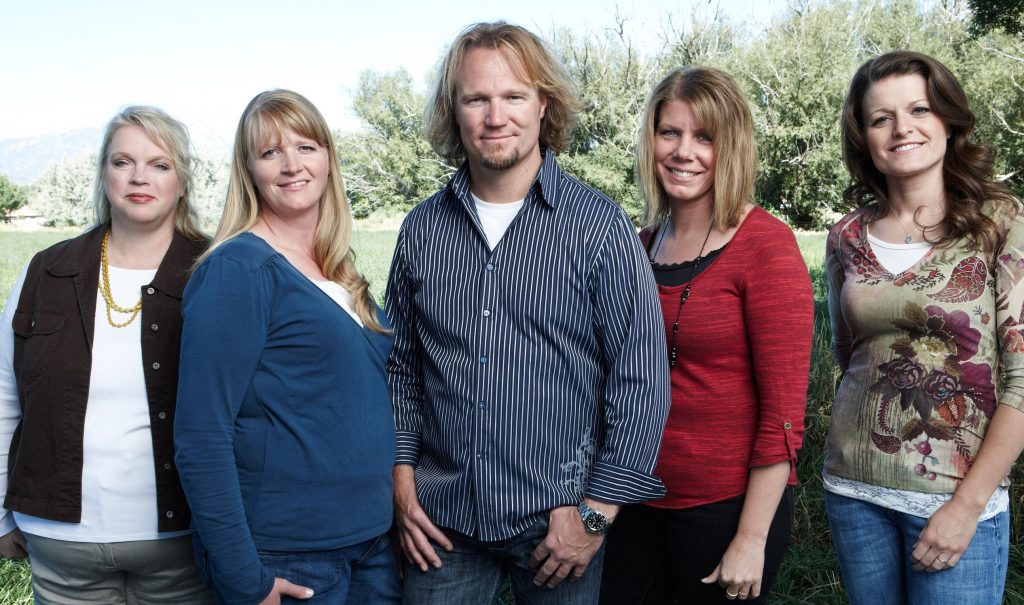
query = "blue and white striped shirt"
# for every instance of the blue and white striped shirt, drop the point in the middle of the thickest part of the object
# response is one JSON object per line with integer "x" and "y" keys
{"x": 525, "y": 377}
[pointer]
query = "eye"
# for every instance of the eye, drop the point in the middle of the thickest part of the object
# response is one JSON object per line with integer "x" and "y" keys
{"x": 878, "y": 121}
{"x": 119, "y": 163}
{"x": 162, "y": 166}
{"x": 474, "y": 100}
{"x": 704, "y": 137}
{"x": 668, "y": 133}
{"x": 268, "y": 154}
{"x": 307, "y": 148}
{"x": 920, "y": 110}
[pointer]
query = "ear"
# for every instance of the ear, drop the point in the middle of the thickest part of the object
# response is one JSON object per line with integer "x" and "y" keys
{"x": 543, "y": 104}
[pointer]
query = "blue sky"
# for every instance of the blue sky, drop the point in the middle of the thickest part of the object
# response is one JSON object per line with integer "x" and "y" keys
{"x": 67, "y": 64}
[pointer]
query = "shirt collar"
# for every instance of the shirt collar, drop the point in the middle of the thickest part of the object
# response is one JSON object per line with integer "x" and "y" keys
{"x": 545, "y": 186}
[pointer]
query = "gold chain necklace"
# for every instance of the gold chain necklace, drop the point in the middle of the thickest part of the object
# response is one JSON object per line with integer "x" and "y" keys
{"x": 108, "y": 296}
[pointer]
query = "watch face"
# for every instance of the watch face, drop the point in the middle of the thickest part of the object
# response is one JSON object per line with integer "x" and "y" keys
{"x": 595, "y": 522}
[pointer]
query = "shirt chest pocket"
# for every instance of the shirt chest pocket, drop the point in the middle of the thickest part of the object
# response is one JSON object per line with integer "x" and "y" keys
{"x": 35, "y": 340}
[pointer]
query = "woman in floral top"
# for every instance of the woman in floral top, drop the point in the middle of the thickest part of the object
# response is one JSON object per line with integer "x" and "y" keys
{"x": 926, "y": 302}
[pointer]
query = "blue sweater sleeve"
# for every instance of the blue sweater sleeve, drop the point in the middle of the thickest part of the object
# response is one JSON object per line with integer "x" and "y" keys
{"x": 226, "y": 308}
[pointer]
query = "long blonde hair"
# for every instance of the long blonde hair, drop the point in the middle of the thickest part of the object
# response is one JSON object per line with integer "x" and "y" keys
{"x": 267, "y": 116}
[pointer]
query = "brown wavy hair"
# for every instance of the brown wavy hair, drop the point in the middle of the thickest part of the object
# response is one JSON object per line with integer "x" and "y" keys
{"x": 532, "y": 62}
{"x": 966, "y": 168}
{"x": 719, "y": 104}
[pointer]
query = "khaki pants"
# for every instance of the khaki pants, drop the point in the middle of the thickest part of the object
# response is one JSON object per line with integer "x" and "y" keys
{"x": 133, "y": 573}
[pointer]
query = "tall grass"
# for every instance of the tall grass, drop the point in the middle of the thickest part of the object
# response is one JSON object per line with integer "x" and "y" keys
{"x": 809, "y": 574}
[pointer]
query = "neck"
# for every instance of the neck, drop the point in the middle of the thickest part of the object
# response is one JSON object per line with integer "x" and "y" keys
{"x": 504, "y": 186}
{"x": 690, "y": 220}
{"x": 296, "y": 236}
{"x": 907, "y": 195}
{"x": 134, "y": 247}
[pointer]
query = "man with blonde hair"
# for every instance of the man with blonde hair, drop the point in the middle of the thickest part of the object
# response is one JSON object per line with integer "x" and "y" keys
{"x": 529, "y": 374}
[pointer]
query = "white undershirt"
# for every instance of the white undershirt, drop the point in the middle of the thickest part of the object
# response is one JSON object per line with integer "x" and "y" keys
{"x": 340, "y": 295}
{"x": 118, "y": 473}
{"x": 495, "y": 218}
{"x": 897, "y": 258}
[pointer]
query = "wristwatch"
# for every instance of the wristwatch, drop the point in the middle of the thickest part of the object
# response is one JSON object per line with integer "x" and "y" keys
{"x": 594, "y": 521}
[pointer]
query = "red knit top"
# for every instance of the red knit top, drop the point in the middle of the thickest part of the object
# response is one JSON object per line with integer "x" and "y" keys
{"x": 739, "y": 388}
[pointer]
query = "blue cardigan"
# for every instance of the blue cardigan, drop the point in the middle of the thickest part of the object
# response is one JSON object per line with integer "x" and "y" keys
{"x": 284, "y": 433}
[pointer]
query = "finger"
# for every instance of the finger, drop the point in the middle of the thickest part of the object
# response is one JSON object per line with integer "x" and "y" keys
{"x": 755, "y": 590}
{"x": 713, "y": 576}
{"x": 540, "y": 554}
{"x": 19, "y": 539}
{"x": 954, "y": 559}
{"x": 545, "y": 572}
{"x": 560, "y": 574}
{"x": 731, "y": 594}
{"x": 412, "y": 554}
{"x": 293, "y": 590}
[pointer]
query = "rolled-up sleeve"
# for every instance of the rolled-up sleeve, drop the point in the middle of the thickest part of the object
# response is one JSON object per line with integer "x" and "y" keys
{"x": 226, "y": 318}
{"x": 636, "y": 392}
{"x": 778, "y": 308}
{"x": 404, "y": 365}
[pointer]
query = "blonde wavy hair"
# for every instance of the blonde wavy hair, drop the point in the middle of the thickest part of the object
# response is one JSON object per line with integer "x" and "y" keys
{"x": 172, "y": 137}
{"x": 720, "y": 106}
{"x": 266, "y": 117}
{"x": 532, "y": 62}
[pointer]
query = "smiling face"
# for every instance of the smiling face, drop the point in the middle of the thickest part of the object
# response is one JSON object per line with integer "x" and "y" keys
{"x": 905, "y": 137}
{"x": 684, "y": 155}
{"x": 140, "y": 180}
{"x": 498, "y": 114}
{"x": 290, "y": 173}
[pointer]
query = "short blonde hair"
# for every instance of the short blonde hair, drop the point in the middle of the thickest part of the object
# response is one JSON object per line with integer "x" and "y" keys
{"x": 267, "y": 116}
{"x": 172, "y": 137}
{"x": 533, "y": 63}
{"x": 720, "y": 106}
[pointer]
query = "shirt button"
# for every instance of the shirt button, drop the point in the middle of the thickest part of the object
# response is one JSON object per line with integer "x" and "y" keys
{"x": 154, "y": 327}
{"x": 487, "y": 312}
{"x": 169, "y": 514}
{"x": 162, "y": 415}
{"x": 151, "y": 291}
{"x": 483, "y": 359}
{"x": 787, "y": 425}
{"x": 167, "y": 466}
{"x": 481, "y": 405}
{"x": 490, "y": 266}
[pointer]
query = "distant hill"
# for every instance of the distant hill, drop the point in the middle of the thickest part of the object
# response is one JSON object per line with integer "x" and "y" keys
{"x": 25, "y": 160}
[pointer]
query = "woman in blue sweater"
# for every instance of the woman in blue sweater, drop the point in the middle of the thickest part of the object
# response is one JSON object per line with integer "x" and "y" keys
{"x": 284, "y": 431}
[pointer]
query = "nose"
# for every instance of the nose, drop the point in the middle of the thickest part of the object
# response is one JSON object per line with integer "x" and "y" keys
{"x": 139, "y": 176}
{"x": 495, "y": 114}
{"x": 684, "y": 149}
{"x": 290, "y": 163}
{"x": 901, "y": 125}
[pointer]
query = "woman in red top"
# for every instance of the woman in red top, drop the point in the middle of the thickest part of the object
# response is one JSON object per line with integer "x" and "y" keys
{"x": 738, "y": 311}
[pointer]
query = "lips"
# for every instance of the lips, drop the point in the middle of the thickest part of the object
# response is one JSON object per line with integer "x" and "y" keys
{"x": 684, "y": 174}
{"x": 294, "y": 185}
{"x": 140, "y": 198}
{"x": 905, "y": 147}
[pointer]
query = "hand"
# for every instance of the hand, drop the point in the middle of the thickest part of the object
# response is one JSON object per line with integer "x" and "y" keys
{"x": 12, "y": 545}
{"x": 566, "y": 550}
{"x": 945, "y": 537}
{"x": 415, "y": 529}
{"x": 285, "y": 588}
{"x": 741, "y": 568}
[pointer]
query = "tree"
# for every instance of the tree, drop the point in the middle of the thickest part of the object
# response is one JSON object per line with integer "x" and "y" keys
{"x": 63, "y": 195}
{"x": 12, "y": 197}
{"x": 988, "y": 15}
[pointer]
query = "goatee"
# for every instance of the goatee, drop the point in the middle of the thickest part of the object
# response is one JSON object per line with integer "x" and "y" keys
{"x": 491, "y": 162}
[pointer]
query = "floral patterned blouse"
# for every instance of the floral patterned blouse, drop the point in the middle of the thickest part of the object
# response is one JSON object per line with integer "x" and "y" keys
{"x": 922, "y": 353}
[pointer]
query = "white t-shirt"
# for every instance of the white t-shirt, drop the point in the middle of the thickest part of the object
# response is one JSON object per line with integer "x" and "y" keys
{"x": 340, "y": 295}
{"x": 495, "y": 218}
{"x": 897, "y": 258}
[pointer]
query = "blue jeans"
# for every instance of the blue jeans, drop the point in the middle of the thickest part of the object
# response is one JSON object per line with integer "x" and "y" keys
{"x": 361, "y": 574}
{"x": 473, "y": 573}
{"x": 873, "y": 545}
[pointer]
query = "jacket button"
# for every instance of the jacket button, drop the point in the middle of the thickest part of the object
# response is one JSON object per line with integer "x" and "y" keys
{"x": 787, "y": 425}
{"x": 169, "y": 514}
{"x": 154, "y": 327}
{"x": 156, "y": 365}
{"x": 162, "y": 415}
{"x": 167, "y": 466}
{"x": 150, "y": 291}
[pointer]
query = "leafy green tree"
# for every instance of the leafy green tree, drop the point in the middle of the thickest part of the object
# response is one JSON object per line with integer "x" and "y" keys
{"x": 12, "y": 197}
{"x": 1007, "y": 15}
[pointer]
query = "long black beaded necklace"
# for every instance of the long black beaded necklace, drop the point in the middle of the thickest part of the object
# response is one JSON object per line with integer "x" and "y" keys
{"x": 686, "y": 291}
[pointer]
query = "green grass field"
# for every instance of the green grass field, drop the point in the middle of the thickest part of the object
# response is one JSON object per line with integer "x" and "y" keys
{"x": 809, "y": 575}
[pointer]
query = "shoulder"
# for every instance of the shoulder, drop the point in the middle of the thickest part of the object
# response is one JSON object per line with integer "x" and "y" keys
{"x": 244, "y": 249}
{"x": 586, "y": 201}
{"x": 70, "y": 249}
{"x": 420, "y": 218}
